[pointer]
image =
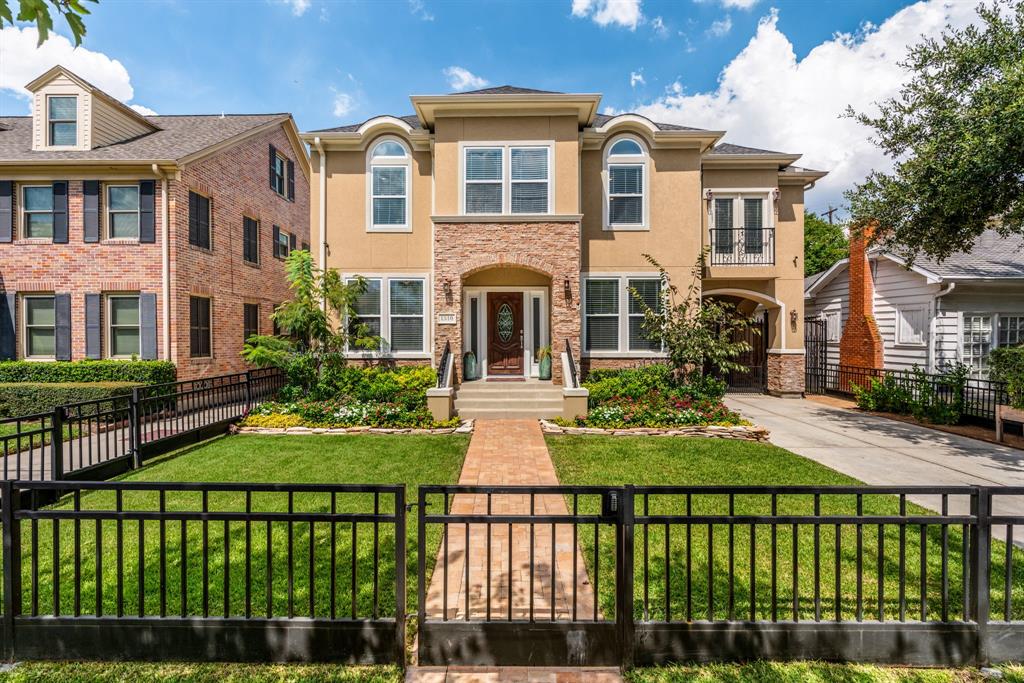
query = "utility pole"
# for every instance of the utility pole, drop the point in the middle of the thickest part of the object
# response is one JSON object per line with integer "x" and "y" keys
{"x": 831, "y": 210}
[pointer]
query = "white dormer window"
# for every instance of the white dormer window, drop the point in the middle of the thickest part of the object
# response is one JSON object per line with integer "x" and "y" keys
{"x": 626, "y": 181}
{"x": 390, "y": 163}
{"x": 62, "y": 120}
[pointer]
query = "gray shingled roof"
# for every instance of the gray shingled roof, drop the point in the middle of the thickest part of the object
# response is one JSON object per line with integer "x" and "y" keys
{"x": 993, "y": 256}
{"x": 811, "y": 279}
{"x": 729, "y": 148}
{"x": 178, "y": 137}
{"x": 508, "y": 90}
{"x": 411, "y": 119}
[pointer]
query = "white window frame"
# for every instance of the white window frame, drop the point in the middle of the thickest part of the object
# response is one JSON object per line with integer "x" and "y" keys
{"x": 50, "y": 121}
{"x": 531, "y": 336}
{"x": 833, "y": 326}
{"x": 643, "y": 161}
{"x": 401, "y": 162}
{"x": 25, "y": 326}
{"x": 623, "y": 315}
{"x": 282, "y": 249}
{"x": 901, "y": 315}
{"x": 737, "y": 195}
{"x": 981, "y": 368}
{"x": 505, "y": 147}
{"x": 25, "y": 212}
{"x": 108, "y": 212}
{"x": 108, "y": 327}
{"x": 997, "y": 342}
{"x": 385, "y": 316}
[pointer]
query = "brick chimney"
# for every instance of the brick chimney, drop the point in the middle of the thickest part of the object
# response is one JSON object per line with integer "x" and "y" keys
{"x": 861, "y": 344}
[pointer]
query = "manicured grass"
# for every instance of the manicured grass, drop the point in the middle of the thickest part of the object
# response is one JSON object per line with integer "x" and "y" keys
{"x": 699, "y": 586}
{"x": 82, "y": 672}
{"x": 811, "y": 672}
{"x": 216, "y": 581}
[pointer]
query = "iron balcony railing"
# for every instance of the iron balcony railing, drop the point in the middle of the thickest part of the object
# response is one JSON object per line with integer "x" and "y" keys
{"x": 743, "y": 247}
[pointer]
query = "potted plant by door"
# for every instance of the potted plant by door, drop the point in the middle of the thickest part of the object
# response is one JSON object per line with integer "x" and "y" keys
{"x": 1007, "y": 365}
{"x": 544, "y": 362}
{"x": 469, "y": 365}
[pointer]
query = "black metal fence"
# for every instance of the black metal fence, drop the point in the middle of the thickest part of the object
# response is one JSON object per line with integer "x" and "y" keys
{"x": 742, "y": 247}
{"x": 647, "y": 575}
{"x": 979, "y": 397}
{"x": 102, "y": 438}
{"x": 200, "y": 571}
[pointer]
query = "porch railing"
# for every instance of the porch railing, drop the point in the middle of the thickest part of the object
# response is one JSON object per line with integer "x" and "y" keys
{"x": 742, "y": 247}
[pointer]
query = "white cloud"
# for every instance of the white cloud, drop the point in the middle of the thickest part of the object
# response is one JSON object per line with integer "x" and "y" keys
{"x": 732, "y": 4}
{"x": 343, "y": 103}
{"x": 624, "y": 13}
{"x": 21, "y": 62}
{"x": 768, "y": 98}
{"x": 636, "y": 77}
{"x": 299, "y": 7}
{"x": 419, "y": 9}
{"x": 462, "y": 79}
{"x": 721, "y": 27}
{"x": 658, "y": 25}
{"x": 145, "y": 111}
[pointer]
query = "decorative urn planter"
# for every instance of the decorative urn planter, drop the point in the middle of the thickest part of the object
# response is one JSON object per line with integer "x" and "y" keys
{"x": 469, "y": 365}
{"x": 544, "y": 366}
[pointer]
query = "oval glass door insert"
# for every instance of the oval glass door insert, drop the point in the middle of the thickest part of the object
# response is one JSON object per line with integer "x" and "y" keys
{"x": 506, "y": 322}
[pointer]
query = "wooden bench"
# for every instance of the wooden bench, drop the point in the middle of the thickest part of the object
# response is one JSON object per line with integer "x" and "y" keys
{"x": 1006, "y": 414}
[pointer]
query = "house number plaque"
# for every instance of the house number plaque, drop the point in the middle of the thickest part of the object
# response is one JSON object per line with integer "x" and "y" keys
{"x": 445, "y": 318}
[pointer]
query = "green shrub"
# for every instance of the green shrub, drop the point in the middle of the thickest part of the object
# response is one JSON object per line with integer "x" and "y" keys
{"x": 273, "y": 421}
{"x": 137, "y": 371}
{"x": 28, "y": 398}
{"x": 1007, "y": 365}
{"x": 343, "y": 413}
{"x": 636, "y": 383}
{"x": 938, "y": 399}
{"x": 404, "y": 385}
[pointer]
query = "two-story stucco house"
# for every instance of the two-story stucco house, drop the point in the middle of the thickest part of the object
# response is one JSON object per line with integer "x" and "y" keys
{"x": 505, "y": 220}
{"x": 123, "y": 235}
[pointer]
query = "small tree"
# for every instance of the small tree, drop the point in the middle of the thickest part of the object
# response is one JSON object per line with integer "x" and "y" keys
{"x": 824, "y": 244}
{"x": 696, "y": 332}
{"x": 317, "y": 321}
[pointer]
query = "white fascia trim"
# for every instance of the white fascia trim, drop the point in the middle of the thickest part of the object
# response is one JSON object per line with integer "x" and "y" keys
{"x": 826, "y": 278}
{"x": 627, "y": 118}
{"x": 383, "y": 120}
{"x": 933, "y": 278}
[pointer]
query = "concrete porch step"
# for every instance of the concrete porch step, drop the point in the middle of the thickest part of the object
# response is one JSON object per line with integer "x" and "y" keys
{"x": 499, "y": 402}
{"x": 509, "y": 413}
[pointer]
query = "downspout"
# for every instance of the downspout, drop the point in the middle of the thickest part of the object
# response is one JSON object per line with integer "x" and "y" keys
{"x": 165, "y": 264}
{"x": 322, "y": 210}
{"x": 935, "y": 322}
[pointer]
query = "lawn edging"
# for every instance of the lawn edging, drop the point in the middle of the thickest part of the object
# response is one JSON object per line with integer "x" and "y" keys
{"x": 737, "y": 432}
{"x": 466, "y": 427}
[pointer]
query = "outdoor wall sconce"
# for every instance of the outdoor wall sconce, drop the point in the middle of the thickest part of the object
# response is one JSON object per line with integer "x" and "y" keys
{"x": 709, "y": 195}
{"x": 793, "y": 315}
{"x": 568, "y": 291}
{"x": 446, "y": 287}
{"x": 775, "y": 200}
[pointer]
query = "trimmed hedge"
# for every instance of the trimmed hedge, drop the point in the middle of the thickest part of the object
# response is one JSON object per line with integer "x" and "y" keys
{"x": 29, "y": 398}
{"x": 135, "y": 371}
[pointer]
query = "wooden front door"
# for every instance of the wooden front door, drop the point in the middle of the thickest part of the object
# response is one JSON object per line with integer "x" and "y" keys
{"x": 505, "y": 333}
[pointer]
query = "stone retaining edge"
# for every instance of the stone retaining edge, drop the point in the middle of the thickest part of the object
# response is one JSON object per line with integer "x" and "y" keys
{"x": 739, "y": 433}
{"x": 465, "y": 428}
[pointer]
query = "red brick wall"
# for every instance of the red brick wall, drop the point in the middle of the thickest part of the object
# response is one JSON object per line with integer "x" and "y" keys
{"x": 237, "y": 182}
{"x": 861, "y": 344}
{"x": 78, "y": 268}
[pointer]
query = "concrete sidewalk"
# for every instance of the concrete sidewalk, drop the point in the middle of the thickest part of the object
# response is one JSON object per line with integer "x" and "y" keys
{"x": 880, "y": 451}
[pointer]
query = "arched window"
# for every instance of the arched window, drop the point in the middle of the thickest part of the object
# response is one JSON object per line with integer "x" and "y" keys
{"x": 626, "y": 194}
{"x": 389, "y": 170}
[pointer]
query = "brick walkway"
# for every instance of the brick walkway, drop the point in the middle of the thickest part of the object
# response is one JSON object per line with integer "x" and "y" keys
{"x": 510, "y": 452}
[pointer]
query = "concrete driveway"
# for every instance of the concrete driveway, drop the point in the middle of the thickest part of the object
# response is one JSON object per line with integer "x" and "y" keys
{"x": 880, "y": 451}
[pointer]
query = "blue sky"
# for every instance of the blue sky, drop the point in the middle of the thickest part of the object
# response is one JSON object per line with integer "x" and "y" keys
{"x": 724, "y": 64}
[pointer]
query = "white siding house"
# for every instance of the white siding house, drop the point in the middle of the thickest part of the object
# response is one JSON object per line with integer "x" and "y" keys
{"x": 933, "y": 313}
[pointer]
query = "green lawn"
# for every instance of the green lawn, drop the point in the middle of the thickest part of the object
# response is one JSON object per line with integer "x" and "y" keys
{"x": 811, "y": 672}
{"x": 600, "y": 460}
{"x": 91, "y": 672}
{"x": 363, "y": 459}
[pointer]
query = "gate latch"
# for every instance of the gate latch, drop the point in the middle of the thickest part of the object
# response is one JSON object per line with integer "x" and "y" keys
{"x": 610, "y": 503}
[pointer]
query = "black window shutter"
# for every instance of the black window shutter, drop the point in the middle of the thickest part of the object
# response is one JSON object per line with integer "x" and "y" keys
{"x": 6, "y": 210}
{"x": 277, "y": 241}
{"x": 147, "y": 215}
{"x": 291, "y": 242}
{"x": 8, "y": 346}
{"x": 62, "y": 326}
{"x": 305, "y": 246}
{"x": 91, "y": 212}
{"x": 291, "y": 180}
{"x": 204, "y": 222}
{"x": 93, "y": 334}
{"x": 60, "y": 212}
{"x": 273, "y": 168}
{"x": 193, "y": 218}
{"x": 147, "y": 325}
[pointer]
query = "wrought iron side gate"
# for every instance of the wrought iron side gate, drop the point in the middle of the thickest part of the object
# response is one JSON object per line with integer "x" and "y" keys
{"x": 755, "y": 379}
{"x": 816, "y": 355}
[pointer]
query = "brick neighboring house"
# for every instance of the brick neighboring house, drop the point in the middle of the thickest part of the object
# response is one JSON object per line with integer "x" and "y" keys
{"x": 504, "y": 220}
{"x": 123, "y": 235}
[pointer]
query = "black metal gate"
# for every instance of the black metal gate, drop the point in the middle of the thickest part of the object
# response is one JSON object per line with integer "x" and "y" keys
{"x": 816, "y": 358}
{"x": 755, "y": 379}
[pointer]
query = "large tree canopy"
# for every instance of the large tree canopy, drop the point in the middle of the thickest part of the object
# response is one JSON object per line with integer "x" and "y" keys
{"x": 824, "y": 244}
{"x": 38, "y": 11}
{"x": 956, "y": 134}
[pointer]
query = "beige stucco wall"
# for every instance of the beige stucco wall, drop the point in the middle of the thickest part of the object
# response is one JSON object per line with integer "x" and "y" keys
{"x": 561, "y": 130}
{"x": 675, "y": 223}
{"x": 351, "y": 247}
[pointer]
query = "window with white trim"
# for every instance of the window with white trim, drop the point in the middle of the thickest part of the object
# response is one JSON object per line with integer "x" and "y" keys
{"x": 1011, "y": 330}
{"x": 62, "y": 120}
{"x": 507, "y": 179}
{"x": 40, "y": 325}
{"x": 983, "y": 332}
{"x": 626, "y": 167}
{"x": 122, "y": 211}
{"x": 37, "y": 211}
{"x": 832, "y": 327}
{"x": 398, "y": 319}
{"x": 912, "y": 325}
{"x": 613, "y": 317}
{"x": 123, "y": 327}
{"x": 390, "y": 164}
{"x": 738, "y": 226}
